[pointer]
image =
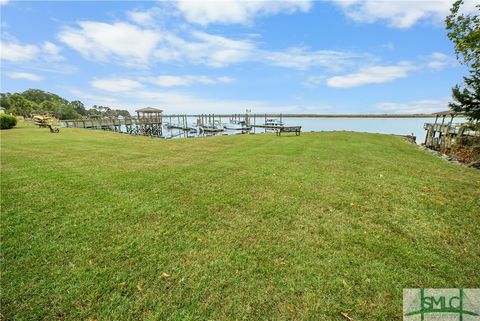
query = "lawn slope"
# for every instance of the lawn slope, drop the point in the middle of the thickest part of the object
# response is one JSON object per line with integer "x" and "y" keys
{"x": 114, "y": 227}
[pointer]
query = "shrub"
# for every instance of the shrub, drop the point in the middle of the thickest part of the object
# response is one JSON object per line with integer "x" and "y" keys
{"x": 7, "y": 121}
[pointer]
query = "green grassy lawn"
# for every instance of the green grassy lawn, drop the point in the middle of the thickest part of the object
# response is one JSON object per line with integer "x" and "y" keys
{"x": 105, "y": 226}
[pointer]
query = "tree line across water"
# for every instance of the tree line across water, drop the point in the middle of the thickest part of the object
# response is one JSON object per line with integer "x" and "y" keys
{"x": 39, "y": 102}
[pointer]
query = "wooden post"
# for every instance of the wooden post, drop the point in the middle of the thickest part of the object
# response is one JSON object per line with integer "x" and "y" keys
{"x": 441, "y": 125}
{"x": 426, "y": 136}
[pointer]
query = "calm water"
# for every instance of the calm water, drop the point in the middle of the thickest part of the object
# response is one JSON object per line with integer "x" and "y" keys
{"x": 397, "y": 126}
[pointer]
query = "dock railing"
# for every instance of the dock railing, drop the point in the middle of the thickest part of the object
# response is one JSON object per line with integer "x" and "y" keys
{"x": 445, "y": 135}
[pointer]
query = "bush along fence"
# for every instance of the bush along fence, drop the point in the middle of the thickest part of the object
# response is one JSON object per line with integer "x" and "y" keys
{"x": 7, "y": 121}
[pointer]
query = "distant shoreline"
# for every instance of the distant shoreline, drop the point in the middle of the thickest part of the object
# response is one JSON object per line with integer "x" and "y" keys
{"x": 318, "y": 115}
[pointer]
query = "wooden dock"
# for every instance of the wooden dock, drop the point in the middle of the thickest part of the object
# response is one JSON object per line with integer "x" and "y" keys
{"x": 150, "y": 122}
{"x": 179, "y": 127}
{"x": 146, "y": 126}
{"x": 267, "y": 126}
{"x": 444, "y": 135}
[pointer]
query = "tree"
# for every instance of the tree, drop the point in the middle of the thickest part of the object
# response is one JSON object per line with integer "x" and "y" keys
{"x": 464, "y": 31}
{"x": 67, "y": 112}
{"x": 38, "y": 96}
{"x": 20, "y": 105}
{"x": 79, "y": 107}
{"x": 4, "y": 101}
{"x": 467, "y": 97}
{"x": 94, "y": 111}
{"x": 42, "y": 102}
{"x": 123, "y": 112}
{"x": 48, "y": 106}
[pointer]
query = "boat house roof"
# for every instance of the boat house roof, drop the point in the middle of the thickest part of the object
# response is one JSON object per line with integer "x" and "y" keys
{"x": 446, "y": 113}
{"x": 148, "y": 110}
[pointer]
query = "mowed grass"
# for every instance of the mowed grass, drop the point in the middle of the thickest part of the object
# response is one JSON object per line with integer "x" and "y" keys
{"x": 105, "y": 226}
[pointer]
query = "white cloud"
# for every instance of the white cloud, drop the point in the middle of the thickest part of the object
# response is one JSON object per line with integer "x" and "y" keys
{"x": 146, "y": 17}
{"x": 181, "y": 102}
{"x": 438, "y": 61}
{"x": 171, "y": 81}
{"x": 4, "y": 2}
{"x": 90, "y": 99}
{"x": 218, "y": 51}
{"x": 380, "y": 74}
{"x": 389, "y": 46}
{"x": 236, "y": 11}
{"x": 135, "y": 46}
{"x": 115, "y": 84}
{"x": 415, "y": 107}
{"x": 51, "y": 52}
{"x": 144, "y": 46}
{"x": 24, "y": 76}
{"x": 187, "y": 80}
{"x": 371, "y": 75}
{"x": 302, "y": 59}
{"x": 16, "y": 52}
{"x": 225, "y": 79}
{"x": 126, "y": 43}
{"x": 211, "y": 50}
{"x": 399, "y": 14}
{"x": 224, "y": 51}
{"x": 314, "y": 81}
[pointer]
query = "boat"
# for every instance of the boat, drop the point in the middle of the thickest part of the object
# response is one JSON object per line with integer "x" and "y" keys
{"x": 214, "y": 127}
{"x": 237, "y": 125}
{"x": 271, "y": 122}
{"x": 193, "y": 129}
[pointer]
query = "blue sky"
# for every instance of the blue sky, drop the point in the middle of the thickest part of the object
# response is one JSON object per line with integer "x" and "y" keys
{"x": 226, "y": 56}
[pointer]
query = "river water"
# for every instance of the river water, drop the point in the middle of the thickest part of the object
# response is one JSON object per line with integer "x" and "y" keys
{"x": 396, "y": 126}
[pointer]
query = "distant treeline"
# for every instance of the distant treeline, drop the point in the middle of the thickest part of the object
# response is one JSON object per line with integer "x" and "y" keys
{"x": 36, "y": 101}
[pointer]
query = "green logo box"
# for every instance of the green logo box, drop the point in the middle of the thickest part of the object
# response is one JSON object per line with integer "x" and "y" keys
{"x": 441, "y": 304}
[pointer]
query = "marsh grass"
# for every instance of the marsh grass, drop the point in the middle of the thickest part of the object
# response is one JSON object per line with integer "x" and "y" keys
{"x": 114, "y": 227}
